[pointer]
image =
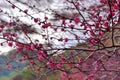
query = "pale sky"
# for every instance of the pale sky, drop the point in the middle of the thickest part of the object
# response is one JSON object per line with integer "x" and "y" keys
{"x": 5, "y": 6}
{"x": 57, "y": 4}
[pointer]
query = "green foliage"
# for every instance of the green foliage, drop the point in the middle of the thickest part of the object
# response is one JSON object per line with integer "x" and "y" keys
{"x": 52, "y": 77}
{"x": 27, "y": 74}
{"x": 4, "y": 78}
{"x": 24, "y": 75}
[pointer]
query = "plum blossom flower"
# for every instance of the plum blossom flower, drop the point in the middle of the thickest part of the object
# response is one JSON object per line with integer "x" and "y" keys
{"x": 9, "y": 67}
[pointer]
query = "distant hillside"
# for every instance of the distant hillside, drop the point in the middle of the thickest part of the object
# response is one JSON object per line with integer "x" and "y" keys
{"x": 4, "y": 59}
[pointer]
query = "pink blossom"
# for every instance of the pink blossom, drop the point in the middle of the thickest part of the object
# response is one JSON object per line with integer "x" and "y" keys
{"x": 66, "y": 39}
{"x": 81, "y": 60}
{"x": 32, "y": 62}
{"x": 63, "y": 22}
{"x": 38, "y": 68}
{"x": 36, "y": 20}
{"x": 40, "y": 52}
{"x": 1, "y": 30}
{"x": 12, "y": 56}
{"x": 102, "y": 1}
{"x": 59, "y": 66}
{"x": 71, "y": 26}
{"x": 9, "y": 67}
{"x": 26, "y": 11}
{"x": 63, "y": 74}
{"x": 46, "y": 18}
{"x": 97, "y": 24}
{"x": 70, "y": 64}
{"x": 105, "y": 24}
{"x": 91, "y": 75}
{"x": 101, "y": 32}
{"x": 32, "y": 46}
{"x": 51, "y": 65}
{"x": 40, "y": 57}
{"x": 77, "y": 4}
{"x": 46, "y": 25}
{"x": 63, "y": 60}
{"x": 2, "y": 26}
{"x": 10, "y": 44}
{"x": 76, "y": 20}
{"x": 91, "y": 33}
{"x": 24, "y": 57}
{"x": 116, "y": 6}
{"x": 100, "y": 17}
{"x": 13, "y": 6}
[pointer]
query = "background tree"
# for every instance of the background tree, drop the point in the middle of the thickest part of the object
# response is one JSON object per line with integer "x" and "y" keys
{"x": 78, "y": 39}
